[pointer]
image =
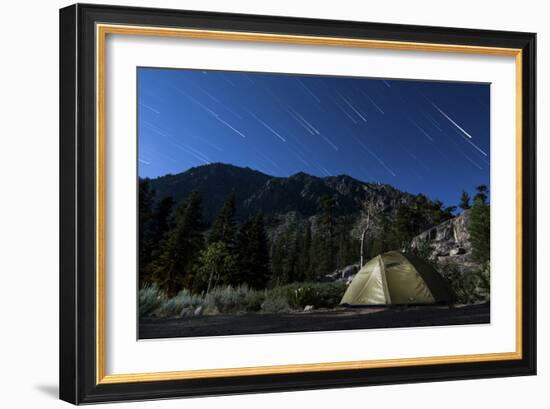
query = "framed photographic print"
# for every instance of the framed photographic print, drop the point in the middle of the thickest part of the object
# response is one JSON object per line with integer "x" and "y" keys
{"x": 257, "y": 203}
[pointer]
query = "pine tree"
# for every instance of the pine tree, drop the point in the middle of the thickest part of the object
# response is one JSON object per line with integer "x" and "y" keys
{"x": 145, "y": 214}
{"x": 480, "y": 227}
{"x": 158, "y": 226}
{"x": 464, "y": 201}
{"x": 245, "y": 262}
{"x": 383, "y": 238}
{"x": 304, "y": 267}
{"x": 438, "y": 215}
{"x": 422, "y": 211}
{"x": 482, "y": 194}
{"x": 259, "y": 250}
{"x": 277, "y": 257}
{"x": 161, "y": 223}
{"x": 348, "y": 248}
{"x": 405, "y": 226}
{"x": 174, "y": 268}
{"x": 413, "y": 219}
{"x": 285, "y": 257}
{"x": 327, "y": 222}
{"x": 162, "y": 218}
{"x": 224, "y": 228}
{"x": 252, "y": 251}
{"x": 306, "y": 264}
{"x": 292, "y": 273}
{"x": 448, "y": 212}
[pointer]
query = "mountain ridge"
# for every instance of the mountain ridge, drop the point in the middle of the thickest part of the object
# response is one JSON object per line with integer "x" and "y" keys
{"x": 256, "y": 191}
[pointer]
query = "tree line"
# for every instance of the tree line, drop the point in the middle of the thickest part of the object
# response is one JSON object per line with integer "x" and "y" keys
{"x": 306, "y": 251}
{"x": 178, "y": 250}
{"x": 387, "y": 233}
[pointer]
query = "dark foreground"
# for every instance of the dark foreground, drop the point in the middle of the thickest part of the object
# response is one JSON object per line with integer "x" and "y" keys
{"x": 319, "y": 320}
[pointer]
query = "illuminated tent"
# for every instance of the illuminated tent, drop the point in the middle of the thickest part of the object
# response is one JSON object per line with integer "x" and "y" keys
{"x": 392, "y": 278}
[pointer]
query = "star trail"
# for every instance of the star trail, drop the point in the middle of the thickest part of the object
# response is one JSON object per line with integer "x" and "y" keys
{"x": 426, "y": 137}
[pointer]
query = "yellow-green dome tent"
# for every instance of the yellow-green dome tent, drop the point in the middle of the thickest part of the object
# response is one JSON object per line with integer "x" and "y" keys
{"x": 393, "y": 278}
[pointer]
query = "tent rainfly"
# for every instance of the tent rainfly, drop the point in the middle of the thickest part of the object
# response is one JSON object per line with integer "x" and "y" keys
{"x": 392, "y": 279}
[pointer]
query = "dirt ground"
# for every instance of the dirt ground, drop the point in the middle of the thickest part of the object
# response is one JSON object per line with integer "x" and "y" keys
{"x": 316, "y": 320}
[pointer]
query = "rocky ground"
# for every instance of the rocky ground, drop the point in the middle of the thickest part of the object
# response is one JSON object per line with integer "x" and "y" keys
{"x": 316, "y": 320}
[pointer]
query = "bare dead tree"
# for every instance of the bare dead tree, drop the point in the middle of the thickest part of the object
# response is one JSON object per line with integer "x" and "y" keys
{"x": 367, "y": 225}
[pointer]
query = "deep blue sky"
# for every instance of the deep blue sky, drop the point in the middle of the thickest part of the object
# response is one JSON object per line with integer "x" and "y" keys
{"x": 419, "y": 136}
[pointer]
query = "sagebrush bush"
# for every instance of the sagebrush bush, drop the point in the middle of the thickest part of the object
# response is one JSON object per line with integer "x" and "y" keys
{"x": 254, "y": 300}
{"x": 150, "y": 299}
{"x": 235, "y": 299}
{"x": 184, "y": 303}
{"x": 275, "y": 303}
{"x": 319, "y": 295}
{"x": 241, "y": 299}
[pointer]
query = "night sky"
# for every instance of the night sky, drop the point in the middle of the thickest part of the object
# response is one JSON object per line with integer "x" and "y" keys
{"x": 419, "y": 136}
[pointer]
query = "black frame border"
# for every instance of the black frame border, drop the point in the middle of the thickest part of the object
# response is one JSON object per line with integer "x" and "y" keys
{"x": 78, "y": 210}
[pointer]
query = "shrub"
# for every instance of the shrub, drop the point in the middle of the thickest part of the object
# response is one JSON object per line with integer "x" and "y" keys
{"x": 240, "y": 299}
{"x": 174, "y": 306}
{"x": 254, "y": 300}
{"x": 275, "y": 303}
{"x": 320, "y": 295}
{"x": 477, "y": 284}
{"x": 150, "y": 299}
{"x": 329, "y": 295}
{"x": 235, "y": 299}
{"x": 423, "y": 250}
{"x": 470, "y": 287}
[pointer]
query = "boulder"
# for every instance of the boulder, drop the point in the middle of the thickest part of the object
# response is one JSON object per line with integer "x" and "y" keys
{"x": 198, "y": 311}
{"x": 187, "y": 312}
{"x": 449, "y": 242}
{"x": 349, "y": 271}
{"x": 343, "y": 274}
